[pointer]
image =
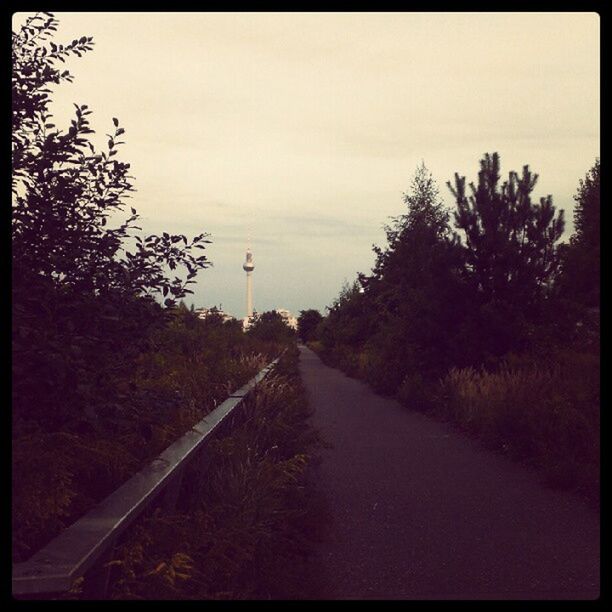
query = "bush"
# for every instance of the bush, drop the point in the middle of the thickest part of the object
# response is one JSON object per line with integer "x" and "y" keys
{"x": 271, "y": 328}
{"x": 415, "y": 392}
{"x": 191, "y": 366}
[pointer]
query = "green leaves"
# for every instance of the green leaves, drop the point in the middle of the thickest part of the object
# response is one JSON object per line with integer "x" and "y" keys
{"x": 71, "y": 258}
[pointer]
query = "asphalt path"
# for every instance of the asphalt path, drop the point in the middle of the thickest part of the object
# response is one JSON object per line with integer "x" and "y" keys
{"x": 420, "y": 511}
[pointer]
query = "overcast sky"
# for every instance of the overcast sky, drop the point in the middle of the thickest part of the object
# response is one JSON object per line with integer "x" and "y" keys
{"x": 303, "y": 130}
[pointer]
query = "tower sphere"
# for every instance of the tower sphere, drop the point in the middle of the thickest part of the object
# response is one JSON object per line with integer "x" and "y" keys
{"x": 248, "y": 265}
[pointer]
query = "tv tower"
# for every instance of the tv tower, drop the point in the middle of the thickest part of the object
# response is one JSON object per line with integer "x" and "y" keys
{"x": 248, "y": 266}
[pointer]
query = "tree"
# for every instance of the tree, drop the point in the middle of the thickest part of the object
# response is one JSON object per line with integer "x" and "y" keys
{"x": 64, "y": 191}
{"x": 512, "y": 259}
{"x": 84, "y": 300}
{"x": 307, "y": 324}
{"x": 270, "y": 326}
{"x": 581, "y": 279}
{"x": 415, "y": 291}
{"x": 398, "y": 325}
{"x": 348, "y": 322}
{"x": 509, "y": 240}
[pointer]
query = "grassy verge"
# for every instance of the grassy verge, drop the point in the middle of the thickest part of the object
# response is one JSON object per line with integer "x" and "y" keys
{"x": 247, "y": 522}
{"x": 544, "y": 413}
{"x": 60, "y": 473}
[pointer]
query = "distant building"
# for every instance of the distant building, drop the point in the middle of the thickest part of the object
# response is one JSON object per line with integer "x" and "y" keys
{"x": 289, "y": 319}
{"x": 248, "y": 321}
{"x": 203, "y": 313}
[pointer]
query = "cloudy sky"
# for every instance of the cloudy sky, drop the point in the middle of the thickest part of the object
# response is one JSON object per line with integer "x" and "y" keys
{"x": 303, "y": 130}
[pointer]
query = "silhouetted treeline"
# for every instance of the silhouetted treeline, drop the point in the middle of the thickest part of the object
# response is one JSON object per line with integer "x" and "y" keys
{"x": 485, "y": 319}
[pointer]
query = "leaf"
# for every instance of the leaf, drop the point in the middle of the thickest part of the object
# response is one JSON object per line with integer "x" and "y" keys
{"x": 115, "y": 121}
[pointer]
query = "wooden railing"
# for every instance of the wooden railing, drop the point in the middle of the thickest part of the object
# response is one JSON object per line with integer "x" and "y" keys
{"x": 85, "y": 546}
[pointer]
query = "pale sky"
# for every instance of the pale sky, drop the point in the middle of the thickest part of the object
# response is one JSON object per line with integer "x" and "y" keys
{"x": 303, "y": 130}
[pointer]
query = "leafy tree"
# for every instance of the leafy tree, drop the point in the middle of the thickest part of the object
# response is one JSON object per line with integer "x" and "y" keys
{"x": 84, "y": 300}
{"x": 270, "y": 326}
{"x": 581, "y": 259}
{"x": 416, "y": 291}
{"x": 65, "y": 191}
{"x": 308, "y": 322}
{"x": 349, "y": 319}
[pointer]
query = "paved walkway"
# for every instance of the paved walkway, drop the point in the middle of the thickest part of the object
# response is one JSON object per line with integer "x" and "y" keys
{"x": 419, "y": 511}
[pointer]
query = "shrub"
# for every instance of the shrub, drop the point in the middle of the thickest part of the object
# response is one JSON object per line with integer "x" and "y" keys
{"x": 415, "y": 392}
{"x": 191, "y": 366}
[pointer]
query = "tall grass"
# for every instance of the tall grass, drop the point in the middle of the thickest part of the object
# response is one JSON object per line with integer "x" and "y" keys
{"x": 190, "y": 367}
{"x": 543, "y": 413}
{"x": 541, "y": 410}
{"x": 247, "y": 523}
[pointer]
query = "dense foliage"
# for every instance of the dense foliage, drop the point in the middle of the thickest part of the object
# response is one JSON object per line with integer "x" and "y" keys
{"x": 270, "y": 327}
{"x": 458, "y": 320}
{"x": 581, "y": 259}
{"x": 308, "y": 321}
{"x": 83, "y": 299}
{"x": 245, "y": 525}
{"x": 60, "y": 472}
{"x": 104, "y": 375}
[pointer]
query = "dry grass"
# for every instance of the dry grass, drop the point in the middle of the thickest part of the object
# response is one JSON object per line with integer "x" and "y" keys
{"x": 247, "y": 522}
{"x": 546, "y": 414}
{"x": 58, "y": 476}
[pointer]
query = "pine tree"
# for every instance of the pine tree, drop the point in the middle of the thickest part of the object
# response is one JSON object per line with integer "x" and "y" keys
{"x": 511, "y": 256}
{"x": 509, "y": 240}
